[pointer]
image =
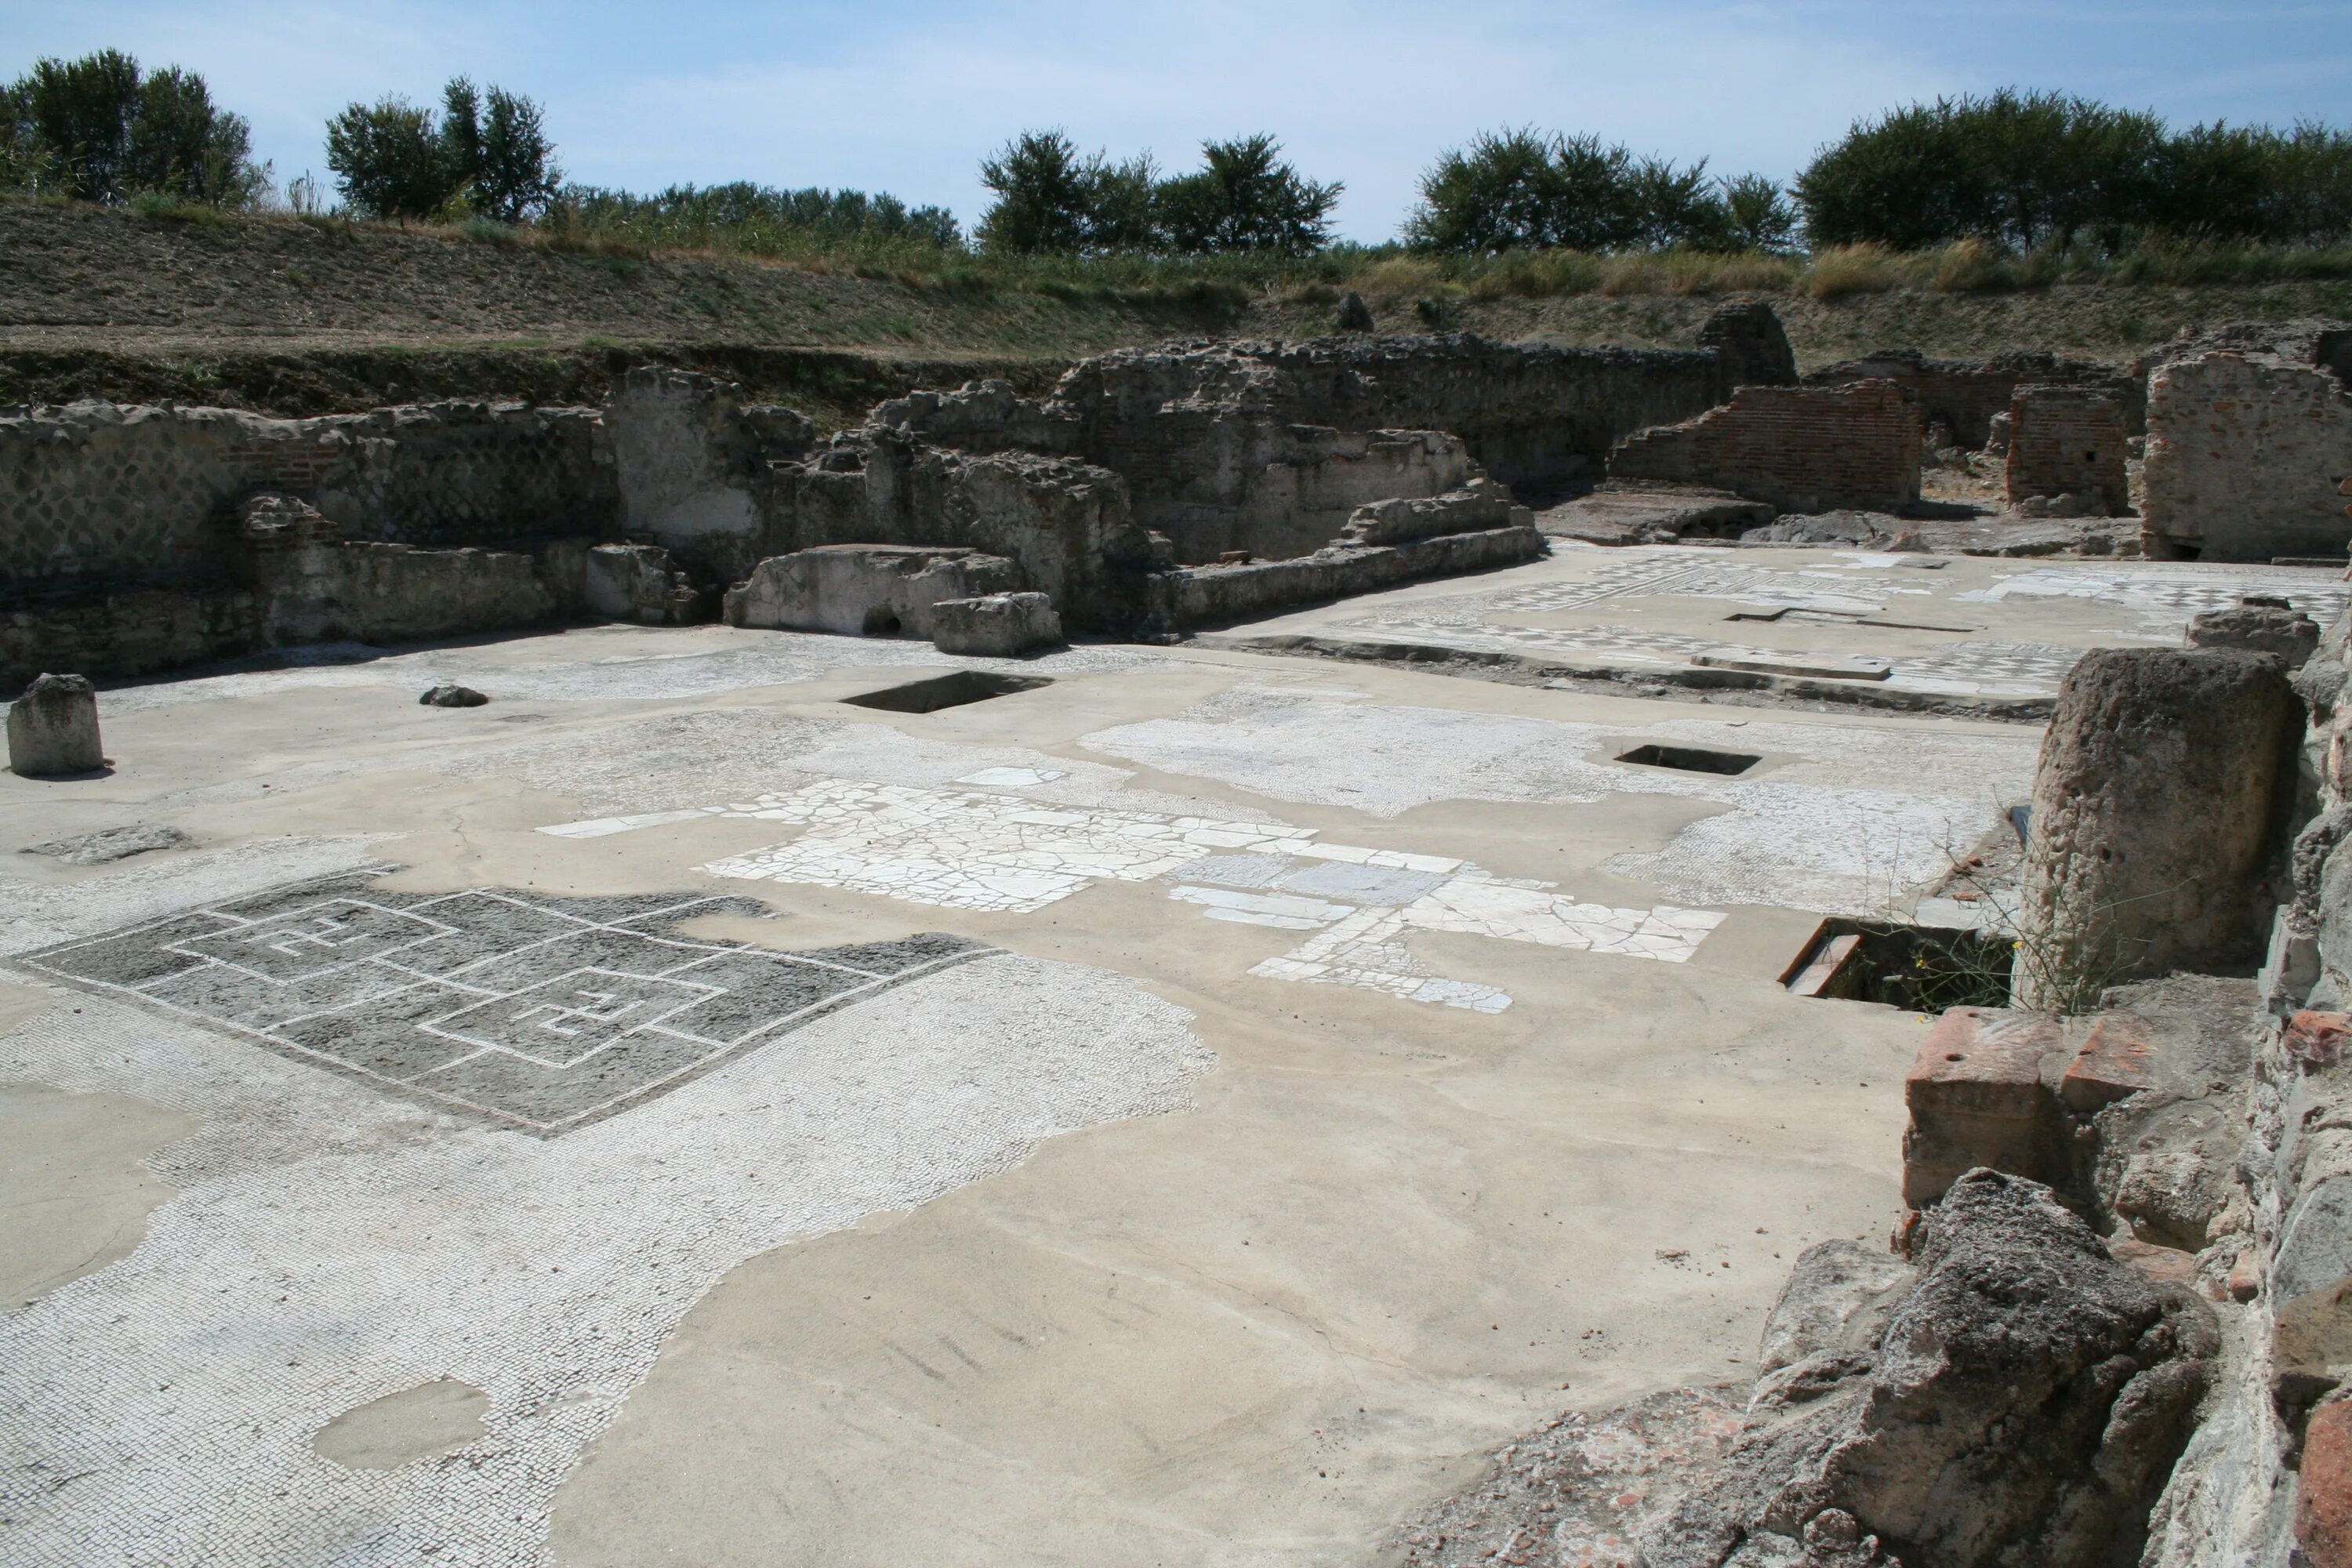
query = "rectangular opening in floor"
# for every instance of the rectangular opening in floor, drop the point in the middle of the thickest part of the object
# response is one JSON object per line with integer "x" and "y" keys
{"x": 947, "y": 691}
{"x": 1924, "y": 968}
{"x": 1690, "y": 759}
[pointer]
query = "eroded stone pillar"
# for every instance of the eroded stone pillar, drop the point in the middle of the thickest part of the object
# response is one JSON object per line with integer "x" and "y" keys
{"x": 2156, "y": 808}
{"x": 53, "y": 729}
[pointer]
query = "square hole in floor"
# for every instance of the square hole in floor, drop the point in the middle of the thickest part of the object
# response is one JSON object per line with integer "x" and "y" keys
{"x": 1690, "y": 759}
{"x": 1925, "y": 968}
{"x": 947, "y": 691}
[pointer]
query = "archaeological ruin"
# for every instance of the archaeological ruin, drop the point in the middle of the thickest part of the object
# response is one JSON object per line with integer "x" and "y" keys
{"x": 1394, "y": 947}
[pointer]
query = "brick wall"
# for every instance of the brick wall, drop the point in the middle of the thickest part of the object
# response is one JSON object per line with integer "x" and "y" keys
{"x": 2068, "y": 440}
{"x": 1964, "y": 394}
{"x": 1800, "y": 448}
{"x": 2244, "y": 455}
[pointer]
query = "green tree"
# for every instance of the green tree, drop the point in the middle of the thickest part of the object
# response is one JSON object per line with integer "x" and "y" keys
{"x": 1041, "y": 189}
{"x": 2011, "y": 169}
{"x": 1907, "y": 180}
{"x": 489, "y": 150}
{"x": 1521, "y": 190}
{"x": 389, "y": 159}
{"x": 1672, "y": 205}
{"x": 98, "y": 129}
{"x": 515, "y": 175}
{"x": 1247, "y": 198}
{"x": 1758, "y": 215}
{"x": 181, "y": 146}
{"x": 1051, "y": 200}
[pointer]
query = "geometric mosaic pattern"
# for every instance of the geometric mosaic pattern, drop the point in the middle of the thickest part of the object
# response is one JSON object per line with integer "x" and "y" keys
{"x": 974, "y": 849}
{"x": 533, "y": 1012}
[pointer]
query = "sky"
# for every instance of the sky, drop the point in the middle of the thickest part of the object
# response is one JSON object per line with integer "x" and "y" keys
{"x": 909, "y": 97}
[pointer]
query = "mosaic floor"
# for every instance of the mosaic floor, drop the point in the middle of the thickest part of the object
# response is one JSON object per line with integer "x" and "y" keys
{"x": 327, "y": 1246}
{"x": 526, "y": 1010}
{"x": 1848, "y": 586}
{"x": 972, "y": 849}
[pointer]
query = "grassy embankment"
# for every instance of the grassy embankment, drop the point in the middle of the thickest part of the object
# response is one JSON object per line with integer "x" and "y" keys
{"x": 297, "y": 315}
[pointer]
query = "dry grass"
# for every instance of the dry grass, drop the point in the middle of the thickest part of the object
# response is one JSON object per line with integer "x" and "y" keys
{"x": 1852, "y": 270}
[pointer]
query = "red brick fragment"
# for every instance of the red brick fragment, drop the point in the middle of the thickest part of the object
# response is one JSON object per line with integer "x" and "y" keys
{"x": 1981, "y": 1062}
{"x": 2323, "y": 1512}
{"x": 2165, "y": 1265}
{"x": 2318, "y": 1039}
{"x": 2116, "y": 1061}
{"x": 1976, "y": 1097}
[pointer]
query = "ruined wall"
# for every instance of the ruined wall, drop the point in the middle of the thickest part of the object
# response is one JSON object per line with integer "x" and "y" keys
{"x": 2068, "y": 440}
{"x": 865, "y": 590}
{"x": 1191, "y": 596}
{"x": 2244, "y": 455}
{"x": 1964, "y": 394}
{"x": 1067, "y": 525}
{"x": 100, "y": 497}
{"x": 285, "y": 579}
{"x": 1802, "y": 449}
{"x": 690, "y": 460}
{"x": 1531, "y": 415}
{"x": 2268, "y": 1476}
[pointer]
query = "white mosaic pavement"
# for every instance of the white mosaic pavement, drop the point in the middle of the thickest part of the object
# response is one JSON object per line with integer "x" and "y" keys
{"x": 2160, "y": 596}
{"x": 975, "y": 849}
{"x": 1846, "y": 820}
{"x": 327, "y": 1246}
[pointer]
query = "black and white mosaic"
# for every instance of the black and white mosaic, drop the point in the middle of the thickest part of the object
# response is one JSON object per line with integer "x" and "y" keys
{"x": 527, "y": 1010}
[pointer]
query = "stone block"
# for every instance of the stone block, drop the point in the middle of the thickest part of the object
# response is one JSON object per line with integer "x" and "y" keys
{"x": 53, "y": 729}
{"x": 2291, "y": 968}
{"x": 865, "y": 590}
{"x": 2314, "y": 1250}
{"x": 2165, "y": 1265}
{"x": 2115, "y": 1061}
{"x": 1976, "y": 1096}
{"x": 2258, "y": 628}
{"x": 2311, "y": 1336}
{"x": 635, "y": 582}
{"x": 2322, "y": 1510}
{"x": 999, "y": 626}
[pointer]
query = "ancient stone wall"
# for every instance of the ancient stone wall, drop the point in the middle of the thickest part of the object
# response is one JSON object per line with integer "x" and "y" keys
{"x": 100, "y": 497}
{"x": 1190, "y": 597}
{"x": 1963, "y": 396}
{"x": 1532, "y": 414}
{"x": 1802, "y": 449}
{"x": 289, "y": 590}
{"x": 2068, "y": 440}
{"x": 1066, "y": 524}
{"x": 2244, "y": 455}
{"x": 690, "y": 459}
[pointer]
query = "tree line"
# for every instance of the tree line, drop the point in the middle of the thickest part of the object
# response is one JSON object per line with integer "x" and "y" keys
{"x": 2014, "y": 170}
